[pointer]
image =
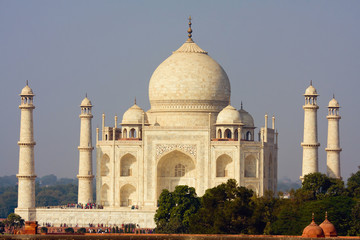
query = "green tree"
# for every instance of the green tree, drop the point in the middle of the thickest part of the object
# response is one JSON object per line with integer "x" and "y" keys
{"x": 264, "y": 215}
{"x": 286, "y": 222}
{"x": 175, "y": 209}
{"x": 226, "y": 208}
{"x": 14, "y": 221}
{"x": 354, "y": 229}
{"x": 353, "y": 184}
{"x": 317, "y": 183}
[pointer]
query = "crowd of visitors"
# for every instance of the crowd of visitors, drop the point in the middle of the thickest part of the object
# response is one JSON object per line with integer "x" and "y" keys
{"x": 85, "y": 206}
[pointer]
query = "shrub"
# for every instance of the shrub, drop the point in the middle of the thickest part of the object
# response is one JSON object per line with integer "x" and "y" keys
{"x": 44, "y": 230}
{"x": 81, "y": 230}
{"x": 69, "y": 230}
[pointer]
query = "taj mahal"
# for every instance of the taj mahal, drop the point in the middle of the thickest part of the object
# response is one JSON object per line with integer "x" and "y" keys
{"x": 191, "y": 135}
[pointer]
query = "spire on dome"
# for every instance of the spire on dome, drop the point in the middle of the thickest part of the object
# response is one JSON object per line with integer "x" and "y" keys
{"x": 310, "y": 82}
{"x": 27, "y": 82}
{"x": 135, "y": 101}
{"x": 241, "y": 107}
{"x": 189, "y": 30}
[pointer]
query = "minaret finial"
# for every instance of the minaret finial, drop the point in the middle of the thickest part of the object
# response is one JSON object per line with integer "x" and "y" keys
{"x": 333, "y": 95}
{"x": 86, "y": 95}
{"x": 241, "y": 105}
{"x": 189, "y": 30}
{"x": 310, "y": 82}
{"x": 27, "y": 82}
{"x": 135, "y": 101}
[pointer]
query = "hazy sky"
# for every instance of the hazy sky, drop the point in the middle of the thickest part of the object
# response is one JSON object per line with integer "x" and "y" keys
{"x": 109, "y": 50}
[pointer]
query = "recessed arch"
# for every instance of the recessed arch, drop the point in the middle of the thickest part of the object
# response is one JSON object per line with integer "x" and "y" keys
{"x": 132, "y": 133}
{"x": 173, "y": 169}
{"x": 227, "y": 133}
{"x": 104, "y": 195}
{"x": 250, "y": 166}
{"x": 104, "y": 165}
{"x": 127, "y": 195}
{"x": 127, "y": 165}
{"x": 223, "y": 166}
{"x": 219, "y": 135}
{"x": 125, "y": 133}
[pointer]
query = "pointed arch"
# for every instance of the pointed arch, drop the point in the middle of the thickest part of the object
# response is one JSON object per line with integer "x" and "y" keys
{"x": 248, "y": 136}
{"x": 104, "y": 195}
{"x": 236, "y": 135}
{"x": 127, "y": 165}
{"x": 227, "y": 134}
{"x": 219, "y": 135}
{"x": 175, "y": 168}
{"x": 132, "y": 133}
{"x": 125, "y": 133}
{"x": 223, "y": 166}
{"x": 127, "y": 195}
{"x": 104, "y": 165}
{"x": 250, "y": 166}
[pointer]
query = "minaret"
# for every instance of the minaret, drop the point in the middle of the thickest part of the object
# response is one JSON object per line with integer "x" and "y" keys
{"x": 310, "y": 142}
{"x": 26, "y": 175}
{"x": 333, "y": 141}
{"x": 85, "y": 192}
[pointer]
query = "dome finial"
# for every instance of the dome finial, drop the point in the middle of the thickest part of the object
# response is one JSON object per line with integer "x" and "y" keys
{"x": 189, "y": 30}
{"x": 313, "y": 217}
{"x": 135, "y": 101}
{"x": 333, "y": 95}
{"x": 86, "y": 95}
{"x": 310, "y": 82}
{"x": 241, "y": 107}
{"x": 27, "y": 82}
{"x": 325, "y": 215}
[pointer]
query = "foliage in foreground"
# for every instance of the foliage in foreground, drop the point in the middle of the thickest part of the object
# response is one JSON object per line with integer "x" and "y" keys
{"x": 228, "y": 208}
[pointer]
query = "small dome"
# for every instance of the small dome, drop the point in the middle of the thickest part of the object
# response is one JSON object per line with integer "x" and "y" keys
{"x": 228, "y": 115}
{"x": 333, "y": 103}
{"x": 86, "y": 103}
{"x": 313, "y": 230}
{"x": 310, "y": 91}
{"x": 328, "y": 228}
{"x": 134, "y": 115}
{"x": 246, "y": 118}
{"x": 26, "y": 91}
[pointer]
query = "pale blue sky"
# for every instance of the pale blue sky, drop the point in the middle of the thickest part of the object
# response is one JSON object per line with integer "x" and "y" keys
{"x": 109, "y": 49}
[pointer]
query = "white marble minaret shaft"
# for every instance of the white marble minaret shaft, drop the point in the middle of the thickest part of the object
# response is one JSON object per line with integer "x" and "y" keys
{"x": 333, "y": 140}
{"x": 310, "y": 142}
{"x": 26, "y": 175}
{"x": 85, "y": 192}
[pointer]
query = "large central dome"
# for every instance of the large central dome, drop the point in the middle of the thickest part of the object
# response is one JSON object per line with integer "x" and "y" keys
{"x": 189, "y": 80}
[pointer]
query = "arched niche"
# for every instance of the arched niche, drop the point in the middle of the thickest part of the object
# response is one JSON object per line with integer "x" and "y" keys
{"x": 223, "y": 166}
{"x": 227, "y": 134}
{"x": 175, "y": 168}
{"x": 219, "y": 135}
{"x": 104, "y": 194}
{"x": 250, "y": 166}
{"x": 104, "y": 165}
{"x": 127, "y": 163}
{"x": 128, "y": 195}
{"x": 132, "y": 133}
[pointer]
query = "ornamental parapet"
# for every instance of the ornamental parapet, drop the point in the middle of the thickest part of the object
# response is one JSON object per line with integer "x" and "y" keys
{"x": 333, "y": 149}
{"x": 31, "y": 177}
{"x": 85, "y": 148}
{"x": 26, "y": 106}
{"x": 26, "y": 143}
{"x": 85, "y": 176}
{"x": 310, "y": 144}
